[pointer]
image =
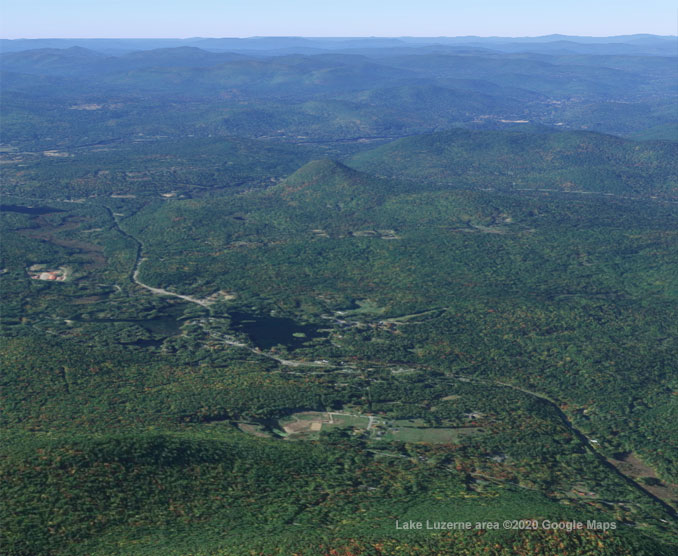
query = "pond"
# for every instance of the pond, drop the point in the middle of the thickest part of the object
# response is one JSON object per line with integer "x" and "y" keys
{"x": 163, "y": 325}
{"x": 36, "y": 211}
{"x": 267, "y": 332}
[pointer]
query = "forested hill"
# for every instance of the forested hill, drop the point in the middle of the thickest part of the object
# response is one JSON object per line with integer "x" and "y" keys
{"x": 537, "y": 159}
{"x": 325, "y": 171}
{"x": 328, "y": 184}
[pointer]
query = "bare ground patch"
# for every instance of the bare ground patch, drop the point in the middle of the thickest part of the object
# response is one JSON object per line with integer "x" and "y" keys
{"x": 632, "y": 466}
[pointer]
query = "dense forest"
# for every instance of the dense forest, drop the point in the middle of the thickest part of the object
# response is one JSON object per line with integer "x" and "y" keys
{"x": 259, "y": 299}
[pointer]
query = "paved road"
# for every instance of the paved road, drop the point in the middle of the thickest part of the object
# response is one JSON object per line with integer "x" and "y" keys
{"x": 160, "y": 291}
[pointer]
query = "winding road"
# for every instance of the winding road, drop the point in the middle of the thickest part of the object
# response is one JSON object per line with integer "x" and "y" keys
{"x": 583, "y": 438}
{"x": 134, "y": 277}
{"x": 160, "y": 291}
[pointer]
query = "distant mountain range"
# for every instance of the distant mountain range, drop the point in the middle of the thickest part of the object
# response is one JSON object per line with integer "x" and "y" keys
{"x": 640, "y": 44}
{"x": 315, "y": 89}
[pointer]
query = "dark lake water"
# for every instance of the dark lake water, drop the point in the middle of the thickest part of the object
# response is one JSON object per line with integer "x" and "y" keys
{"x": 267, "y": 331}
{"x": 147, "y": 343}
{"x": 36, "y": 211}
{"x": 264, "y": 331}
{"x": 164, "y": 325}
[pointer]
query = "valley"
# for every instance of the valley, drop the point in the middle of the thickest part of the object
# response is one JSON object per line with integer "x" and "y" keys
{"x": 273, "y": 302}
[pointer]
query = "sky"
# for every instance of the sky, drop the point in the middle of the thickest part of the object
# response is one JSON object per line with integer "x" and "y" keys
{"x": 332, "y": 18}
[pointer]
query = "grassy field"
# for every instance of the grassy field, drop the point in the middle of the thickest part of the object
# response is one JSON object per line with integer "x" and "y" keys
{"x": 429, "y": 435}
{"x": 307, "y": 425}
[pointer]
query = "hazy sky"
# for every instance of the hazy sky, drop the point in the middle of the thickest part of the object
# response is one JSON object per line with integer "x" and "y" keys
{"x": 244, "y": 18}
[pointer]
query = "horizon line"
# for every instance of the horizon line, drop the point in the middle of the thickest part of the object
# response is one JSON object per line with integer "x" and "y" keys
{"x": 347, "y": 37}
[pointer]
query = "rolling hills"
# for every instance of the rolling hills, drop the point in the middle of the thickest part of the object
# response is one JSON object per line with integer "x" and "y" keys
{"x": 540, "y": 159}
{"x": 278, "y": 296}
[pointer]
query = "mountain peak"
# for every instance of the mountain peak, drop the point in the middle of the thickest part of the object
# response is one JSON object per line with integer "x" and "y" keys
{"x": 323, "y": 171}
{"x": 323, "y": 184}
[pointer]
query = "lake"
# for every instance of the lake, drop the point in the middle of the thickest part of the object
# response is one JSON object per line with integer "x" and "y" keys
{"x": 267, "y": 331}
{"x": 35, "y": 211}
